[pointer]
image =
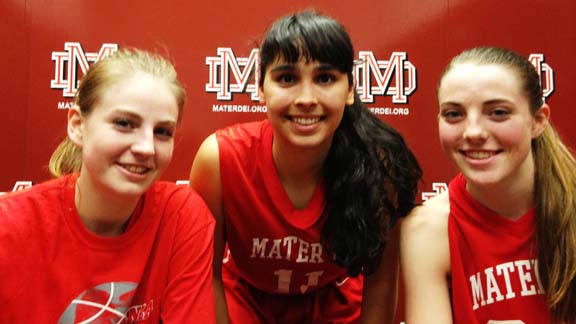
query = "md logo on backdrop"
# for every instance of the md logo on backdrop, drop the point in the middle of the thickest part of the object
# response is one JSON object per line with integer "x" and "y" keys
{"x": 546, "y": 74}
{"x": 229, "y": 75}
{"x": 395, "y": 78}
{"x": 71, "y": 64}
{"x": 19, "y": 185}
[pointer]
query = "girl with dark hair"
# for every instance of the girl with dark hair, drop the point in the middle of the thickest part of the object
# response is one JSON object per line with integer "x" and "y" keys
{"x": 309, "y": 195}
{"x": 500, "y": 245}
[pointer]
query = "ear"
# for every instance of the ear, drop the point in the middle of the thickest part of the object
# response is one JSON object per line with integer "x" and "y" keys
{"x": 75, "y": 125}
{"x": 350, "y": 97}
{"x": 540, "y": 120}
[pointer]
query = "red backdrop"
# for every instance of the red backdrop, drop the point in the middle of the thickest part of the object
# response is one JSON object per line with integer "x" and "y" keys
{"x": 411, "y": 40}
{"x": 427, "y": 33}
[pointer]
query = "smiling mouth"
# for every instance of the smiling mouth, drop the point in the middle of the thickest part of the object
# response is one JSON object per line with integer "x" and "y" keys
{"x": 479, "y": 155}
{"x": 305, "y": 121}
{"x": 135, "y": 168}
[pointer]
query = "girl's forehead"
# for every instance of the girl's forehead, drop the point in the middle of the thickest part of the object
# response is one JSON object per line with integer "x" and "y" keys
{"x": 481, "y": 82}
{"x": 475, "y": 67}
{"x": 479, "y": 72}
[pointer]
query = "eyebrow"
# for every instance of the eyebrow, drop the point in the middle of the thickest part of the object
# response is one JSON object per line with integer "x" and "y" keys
{"x": 131, "y": 114}
{"x": 283, "y": 67}
{"x": 489, "y": 102}
{"x": 497, "y": 101}
{"x": 292, "y": 67}
{"x": 450, "y": 104}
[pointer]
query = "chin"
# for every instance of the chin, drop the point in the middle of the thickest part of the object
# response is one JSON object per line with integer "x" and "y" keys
{"x": 131, "y": 189}
{"x": 308, "y": 142}
{"x": 483, "y": 179}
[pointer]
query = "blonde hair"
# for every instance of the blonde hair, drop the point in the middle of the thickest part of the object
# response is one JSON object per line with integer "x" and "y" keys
{"x": 67, "y": 158}
{"x": 555, "y": 189}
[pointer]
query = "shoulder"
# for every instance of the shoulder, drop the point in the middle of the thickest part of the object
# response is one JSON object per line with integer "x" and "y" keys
{"x": 424, "y": 234}
{"x": 44, "y": 194}
{"x": 431, "y": 216}
{"x": 239, "y": 146}
{"x": 425, "y": 262}
{"x": 181, "y": 203}
{"x": 205, "y": 170}
{"x": 209, "y": 150}
{"x": 244, "y": 132}
{"x": 166, "y": 192}
{"x": 30, "y": 216}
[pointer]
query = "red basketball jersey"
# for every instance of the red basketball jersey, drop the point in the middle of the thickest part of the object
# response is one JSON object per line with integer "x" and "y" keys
{"x": 274, "y": 246}
{"x": 493, "y": 264}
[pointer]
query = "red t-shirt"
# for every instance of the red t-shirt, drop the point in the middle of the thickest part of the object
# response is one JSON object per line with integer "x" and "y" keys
{"x": 274, "y": 246}
{"x": 54, "y": 270}
{"x": 493, "y": 264}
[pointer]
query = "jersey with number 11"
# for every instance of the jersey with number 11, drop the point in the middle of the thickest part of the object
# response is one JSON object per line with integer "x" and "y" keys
{"x": 274, "y": 246}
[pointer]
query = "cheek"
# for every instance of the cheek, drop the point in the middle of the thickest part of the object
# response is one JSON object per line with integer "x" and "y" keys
{"x": 449, "y": 135}
{"x": 96, "y": 147}
{"x": 334, "y": 99}
{"x": 275, "y": 97}
{"x": 514, "y": 134}
{"x": 336, "y": 105}
{"x": 164, "y": 153}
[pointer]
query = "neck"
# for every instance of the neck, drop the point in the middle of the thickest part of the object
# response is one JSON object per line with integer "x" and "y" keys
{"x": 294, "y": 163}
{"x": 510, "y": 198}
{"x": 104, "y": 214}
{"x": 299, "y": 170}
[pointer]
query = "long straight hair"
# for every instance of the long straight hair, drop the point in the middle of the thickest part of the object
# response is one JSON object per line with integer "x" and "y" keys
{"x": 555, "y": 189}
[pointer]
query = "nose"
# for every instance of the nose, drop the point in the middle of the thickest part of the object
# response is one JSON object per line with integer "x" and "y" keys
{"x": 144, "y": 142}
{"x": 475, "y": 130}
{"x": 306, "y": 96}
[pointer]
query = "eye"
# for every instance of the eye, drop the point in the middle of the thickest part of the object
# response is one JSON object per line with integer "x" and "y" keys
{"x": 164, "y": 132}
{"x": 325, "y": 78}
{"x": 499, "y": 113}
{"x": 286, "y": 78}
{"x": 123, "y": 123}
{"x": 451, "y": 115}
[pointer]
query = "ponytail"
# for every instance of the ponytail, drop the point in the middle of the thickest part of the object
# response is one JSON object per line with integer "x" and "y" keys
{"x": 371, "y": 180}
{"x": 555, "y": 191}
{"x": 66, "y": 159}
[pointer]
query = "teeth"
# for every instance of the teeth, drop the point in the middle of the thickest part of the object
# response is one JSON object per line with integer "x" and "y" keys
{"x": 478, "y": 155}
{"x": 306, "y": 120}
{"x": 135, "y": 169}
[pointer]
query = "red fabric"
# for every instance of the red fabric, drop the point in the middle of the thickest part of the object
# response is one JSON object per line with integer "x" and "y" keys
{"x": 274, "y": 247}
{"x": 336, "y": 302}
{"x": 492, "y": 264}
{"x": 53, "y": 268}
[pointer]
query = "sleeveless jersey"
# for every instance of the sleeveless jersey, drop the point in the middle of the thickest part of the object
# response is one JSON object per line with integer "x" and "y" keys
{"x": 273, "y": 246}
{"x": 493, "y": 264}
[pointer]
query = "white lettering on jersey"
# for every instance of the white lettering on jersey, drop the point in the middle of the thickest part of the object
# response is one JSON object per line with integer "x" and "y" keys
{"x": 519, "y": 277}
{"x": 290, "y": 248}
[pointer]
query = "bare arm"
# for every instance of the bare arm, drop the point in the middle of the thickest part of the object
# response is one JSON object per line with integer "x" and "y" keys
{"x": 425, "y": 262}
{"x": 381, "y": 288}
{"x": 205, "y": 179}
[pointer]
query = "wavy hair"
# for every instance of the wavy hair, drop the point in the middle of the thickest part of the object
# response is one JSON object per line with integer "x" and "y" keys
{"x": 371, "y": 175}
